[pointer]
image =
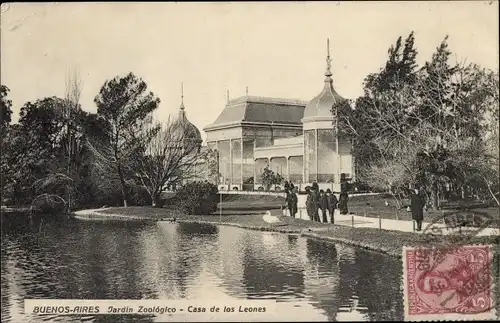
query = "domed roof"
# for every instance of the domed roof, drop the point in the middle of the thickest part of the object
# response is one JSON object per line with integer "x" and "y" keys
{"x": 321, "y": 106}
{"x": 187, "y": 130}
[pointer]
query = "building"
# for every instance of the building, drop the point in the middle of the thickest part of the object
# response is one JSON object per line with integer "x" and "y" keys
{"x": 296, "y": 139}
{"x": 185, "y": 142}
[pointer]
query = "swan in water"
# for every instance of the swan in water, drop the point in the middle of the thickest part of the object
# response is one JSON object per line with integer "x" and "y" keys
{"x": 270, "y": 218}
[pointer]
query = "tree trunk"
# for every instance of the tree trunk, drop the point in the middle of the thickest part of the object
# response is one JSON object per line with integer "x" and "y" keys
{"x": 435, "y": 198}
{"x": 435, "y": 194}
{"x": 154, "y": 199}
{"x": 124, "y": 186}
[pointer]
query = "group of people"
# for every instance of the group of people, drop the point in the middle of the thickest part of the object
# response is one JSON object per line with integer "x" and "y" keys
{"x": 317, "y": 199}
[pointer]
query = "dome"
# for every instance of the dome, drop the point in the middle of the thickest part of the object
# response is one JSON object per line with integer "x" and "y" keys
{"x": 320, "y": 107}
{"x": 186, "y": 129}
{"x": 183, "y": 127}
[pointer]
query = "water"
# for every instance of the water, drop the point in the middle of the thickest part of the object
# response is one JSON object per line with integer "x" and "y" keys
{"x": 89, "y": 260}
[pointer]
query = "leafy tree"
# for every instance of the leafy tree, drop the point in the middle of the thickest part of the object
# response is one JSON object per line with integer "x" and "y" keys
{"x": 123, "y": 103}
{"x": 5, "y": 115}
{"x": 428, "y": 129}
{"x": 269, "y": 178}
{"x": 5, "y": 108}
{"x": 357, "y": 124}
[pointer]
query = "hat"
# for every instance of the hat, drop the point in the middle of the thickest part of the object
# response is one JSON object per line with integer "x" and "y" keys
{"x": 328, "y": 190}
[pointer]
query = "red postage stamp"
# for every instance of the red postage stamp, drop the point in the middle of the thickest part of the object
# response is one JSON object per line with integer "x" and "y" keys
{"x": 448, "y": 283}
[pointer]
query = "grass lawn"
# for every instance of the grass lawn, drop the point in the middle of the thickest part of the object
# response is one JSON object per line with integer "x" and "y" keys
{"x": 374, "y": 206}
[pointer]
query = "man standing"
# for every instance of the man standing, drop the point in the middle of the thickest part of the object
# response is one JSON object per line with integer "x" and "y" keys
{"x": 315, "y": 195}
{"x": 417, "y": 208}
{"x": 332, "y": 204}
{"x": 323, "y": 203}
{"x": 310, "y": 206}
{"x": 294, "y": 201}
{"x": 289, "y": 201}
{"x": 344, "y": 198}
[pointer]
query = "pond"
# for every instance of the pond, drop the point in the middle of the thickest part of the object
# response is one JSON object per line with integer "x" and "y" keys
{"x": 120, "y": 260}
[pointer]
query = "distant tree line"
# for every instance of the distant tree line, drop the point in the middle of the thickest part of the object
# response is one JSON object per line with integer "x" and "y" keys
{"x": 433, "y": 126}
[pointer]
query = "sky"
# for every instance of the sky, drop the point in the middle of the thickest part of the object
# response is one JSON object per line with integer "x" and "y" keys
{"x": 276, "y": 49}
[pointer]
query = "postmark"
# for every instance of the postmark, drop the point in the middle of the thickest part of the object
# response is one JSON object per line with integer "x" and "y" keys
{"x": 459, "y": 228}
{"x": 448, "y": 283}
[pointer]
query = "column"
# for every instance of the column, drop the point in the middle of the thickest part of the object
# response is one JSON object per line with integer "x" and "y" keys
{"x": 288, "y": 168}
{"x": 254, "y": 172}
{"x": 230, "y": 164}
{"x": 337, "y": 179}
{"x": 217, "y": 180}
{"x": 316, "y": 153}
{"x": 304, "y": 158}
{"x": 241, "y": 164}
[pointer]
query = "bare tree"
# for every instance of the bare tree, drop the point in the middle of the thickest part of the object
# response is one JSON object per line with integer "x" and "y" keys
{"x": 74, "y": 86}
{"x": 169, "y": 156}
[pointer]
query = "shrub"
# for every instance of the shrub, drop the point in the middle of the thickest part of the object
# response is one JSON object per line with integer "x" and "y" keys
{"x": 198, "y": 198}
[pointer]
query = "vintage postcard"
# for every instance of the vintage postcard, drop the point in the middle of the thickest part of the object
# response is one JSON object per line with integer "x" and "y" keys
{"x": 249, "y": 161}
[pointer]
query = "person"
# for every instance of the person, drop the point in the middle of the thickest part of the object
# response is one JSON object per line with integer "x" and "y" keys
{"x": 417, "y": 208}
{"x": 289, "y": 201}
{"x": 323, "y": 205}
{"x": 331, "y": 203}
{"x": 294, "y": 201}
{"x": 315, "y": 194}
{"x": 310, "y": 206}
{"x": 343, "y": 199}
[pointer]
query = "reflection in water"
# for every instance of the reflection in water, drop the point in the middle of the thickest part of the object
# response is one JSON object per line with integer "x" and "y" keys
{"x": 172, "y": 261}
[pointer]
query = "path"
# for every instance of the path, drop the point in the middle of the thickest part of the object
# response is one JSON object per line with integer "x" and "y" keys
{"x": 395, "y": 225}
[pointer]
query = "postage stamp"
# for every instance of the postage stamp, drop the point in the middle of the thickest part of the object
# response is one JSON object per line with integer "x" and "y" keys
{"x": 448, "y": 283}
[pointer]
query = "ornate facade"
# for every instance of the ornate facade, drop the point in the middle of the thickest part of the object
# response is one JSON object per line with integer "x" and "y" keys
{"x": 294, "y": 138}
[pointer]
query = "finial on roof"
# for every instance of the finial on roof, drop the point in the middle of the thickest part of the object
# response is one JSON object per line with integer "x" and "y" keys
{"x": 227, "y": 96}
{"x": 182, "y": 95}
{"x": 246, "y": 90}
{"x": 328, "y": 71}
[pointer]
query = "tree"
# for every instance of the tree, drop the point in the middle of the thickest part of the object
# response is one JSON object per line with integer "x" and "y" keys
{"x": 5, "y": 108}
{"x": 429, "y": 130}
{"x": 356, "y": 123}
{"x": 5, "y": 114}
{"x": 269, "y": 178}
{"x": 169, "y": 156}
{"x": 123, "y": 103}
{"x": 73, "y": 133}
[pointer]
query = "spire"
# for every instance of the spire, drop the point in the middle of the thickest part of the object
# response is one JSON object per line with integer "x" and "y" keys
{"x": 182, "y": 113}
{"x": 246, "y": 91}
{"x": 328, "y": 72}
{"x": 227, "y": 96}
{"x": 182, "y": 96}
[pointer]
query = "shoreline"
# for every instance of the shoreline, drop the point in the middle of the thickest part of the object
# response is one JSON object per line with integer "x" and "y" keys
{"x": 388, "y": 242}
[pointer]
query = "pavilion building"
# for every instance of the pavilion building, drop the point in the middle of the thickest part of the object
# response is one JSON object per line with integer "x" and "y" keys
{"x": 294, "y": 138}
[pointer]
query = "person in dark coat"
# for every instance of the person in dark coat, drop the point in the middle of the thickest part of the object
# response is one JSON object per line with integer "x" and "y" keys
{"x": 344, "y": 198}
{"x": 310, "y": 206}
{"x": 417, "y": 204}
{"x": 323, "y": 205}
{"x": 331, "y": 204}
{"x": 289, "y": 201}
{"x": 315, "y": 194}
{"x": 294, "y": 199}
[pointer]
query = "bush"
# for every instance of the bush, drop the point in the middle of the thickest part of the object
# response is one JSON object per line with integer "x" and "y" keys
{"x": 198, "y": 198}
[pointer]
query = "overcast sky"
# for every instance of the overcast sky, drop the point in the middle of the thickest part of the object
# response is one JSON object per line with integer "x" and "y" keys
{"x": 276, "y": 49}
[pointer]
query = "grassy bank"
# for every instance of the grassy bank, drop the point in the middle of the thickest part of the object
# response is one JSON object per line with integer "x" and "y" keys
{"x": 374, "y": 206}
